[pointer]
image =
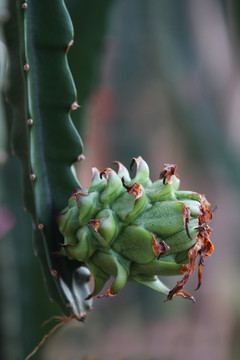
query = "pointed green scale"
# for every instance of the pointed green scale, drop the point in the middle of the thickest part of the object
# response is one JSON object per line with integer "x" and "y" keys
{"x": 88, "y": 205}
{"x": 153, "y": 282}
{"x": 109, "y": 226}
{"x": 159, "y": 192}
{"x": 135, "y": 244}
{"x": 106, "y": 230}
{"x": 115, "y": 265}
{"x": 142, "y": 173}
{"x": 113, "y": 190}
{"x": 97, "y": 183}
{"x": 188, "y": 195}
{"x": 100, "y": 277}
{"x": 68, "y": 221}
{"x": 180, "y": 240}
{"x": 128, "y": 208}
{"x": 194, "y": 207}
{"x": 123, "y": 172}
{"x": 163, "y": 218}
{"x": 84, "y": 248}
{"x": 156, "y": 267}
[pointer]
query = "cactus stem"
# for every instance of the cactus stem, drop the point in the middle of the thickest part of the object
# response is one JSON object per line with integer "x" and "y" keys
{"x": 40, "y": 226}
{"x": 24, "y": 6}
{"x": 69, "y": 45}
{"x": 74, "y": 106}
{"x": 26, "y": 67}
{"x": 30, "y": 122}
{"x": 32, "y": 177}
{"x": 80, "y": 157}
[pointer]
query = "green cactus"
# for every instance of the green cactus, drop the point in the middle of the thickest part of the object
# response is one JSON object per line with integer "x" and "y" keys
{"x": 136, "y": 230}
{"x": 3, "y": 67}
{"x": 44, "y": 138}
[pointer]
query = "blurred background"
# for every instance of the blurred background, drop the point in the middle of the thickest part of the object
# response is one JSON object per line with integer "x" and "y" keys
{"x": 160, "y": 79}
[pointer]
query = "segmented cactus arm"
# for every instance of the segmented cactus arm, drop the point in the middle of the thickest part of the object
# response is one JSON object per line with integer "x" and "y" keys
{"x": 46, "y": 141}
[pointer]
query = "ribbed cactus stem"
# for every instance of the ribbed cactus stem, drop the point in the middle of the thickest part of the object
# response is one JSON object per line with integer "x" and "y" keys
{"x": 54, "y": 144}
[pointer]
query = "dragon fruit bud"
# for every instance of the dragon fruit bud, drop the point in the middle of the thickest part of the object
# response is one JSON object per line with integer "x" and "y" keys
{"x": 136, "y": 230}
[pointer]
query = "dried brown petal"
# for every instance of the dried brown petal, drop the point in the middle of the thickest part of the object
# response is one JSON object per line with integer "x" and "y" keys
{"x": 135, "y": 189}
{"x": 159, "y": 247}
{"x": 186, "y": 218}
{"x": 167, "y": 173}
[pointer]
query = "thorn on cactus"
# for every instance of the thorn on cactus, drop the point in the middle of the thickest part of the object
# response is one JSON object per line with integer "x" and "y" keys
{"x": 69, "y": 45}
{"x": 74, "y": 106}
{"x": 30, "y": 122}
{"x": 32, "y": 177}
{"x": 24, "y": 6}
{"x": 80, "y": 157}
{"x": 40, "y": 226}
{"x": 26, "y": 67}
{"x": 54, "y": 273}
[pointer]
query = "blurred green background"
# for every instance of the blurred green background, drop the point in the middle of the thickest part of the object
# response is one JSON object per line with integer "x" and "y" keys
{"x": 160, "y": 79}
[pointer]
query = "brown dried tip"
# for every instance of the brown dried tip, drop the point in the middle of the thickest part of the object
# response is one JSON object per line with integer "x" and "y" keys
{"x": 135, "y": 189}
{"x": 105, "y": 172}
{"x": 95, "y": 223}
{"x": 107, "y": 294}
{"x": 119, "y": 164}
{"x": 137, "y": 161}
{"x": 186, "y": 218}
{"x": 159, "y": 248}
{"x": 203, "y": 248}
{"x": 167, "y": 173}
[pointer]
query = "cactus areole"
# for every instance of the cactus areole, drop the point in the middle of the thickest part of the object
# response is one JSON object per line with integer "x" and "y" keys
{"x": 136, "y": 230}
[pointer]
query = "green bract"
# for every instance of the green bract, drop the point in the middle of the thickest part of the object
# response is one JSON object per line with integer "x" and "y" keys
{"x": 136, "y": 230}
